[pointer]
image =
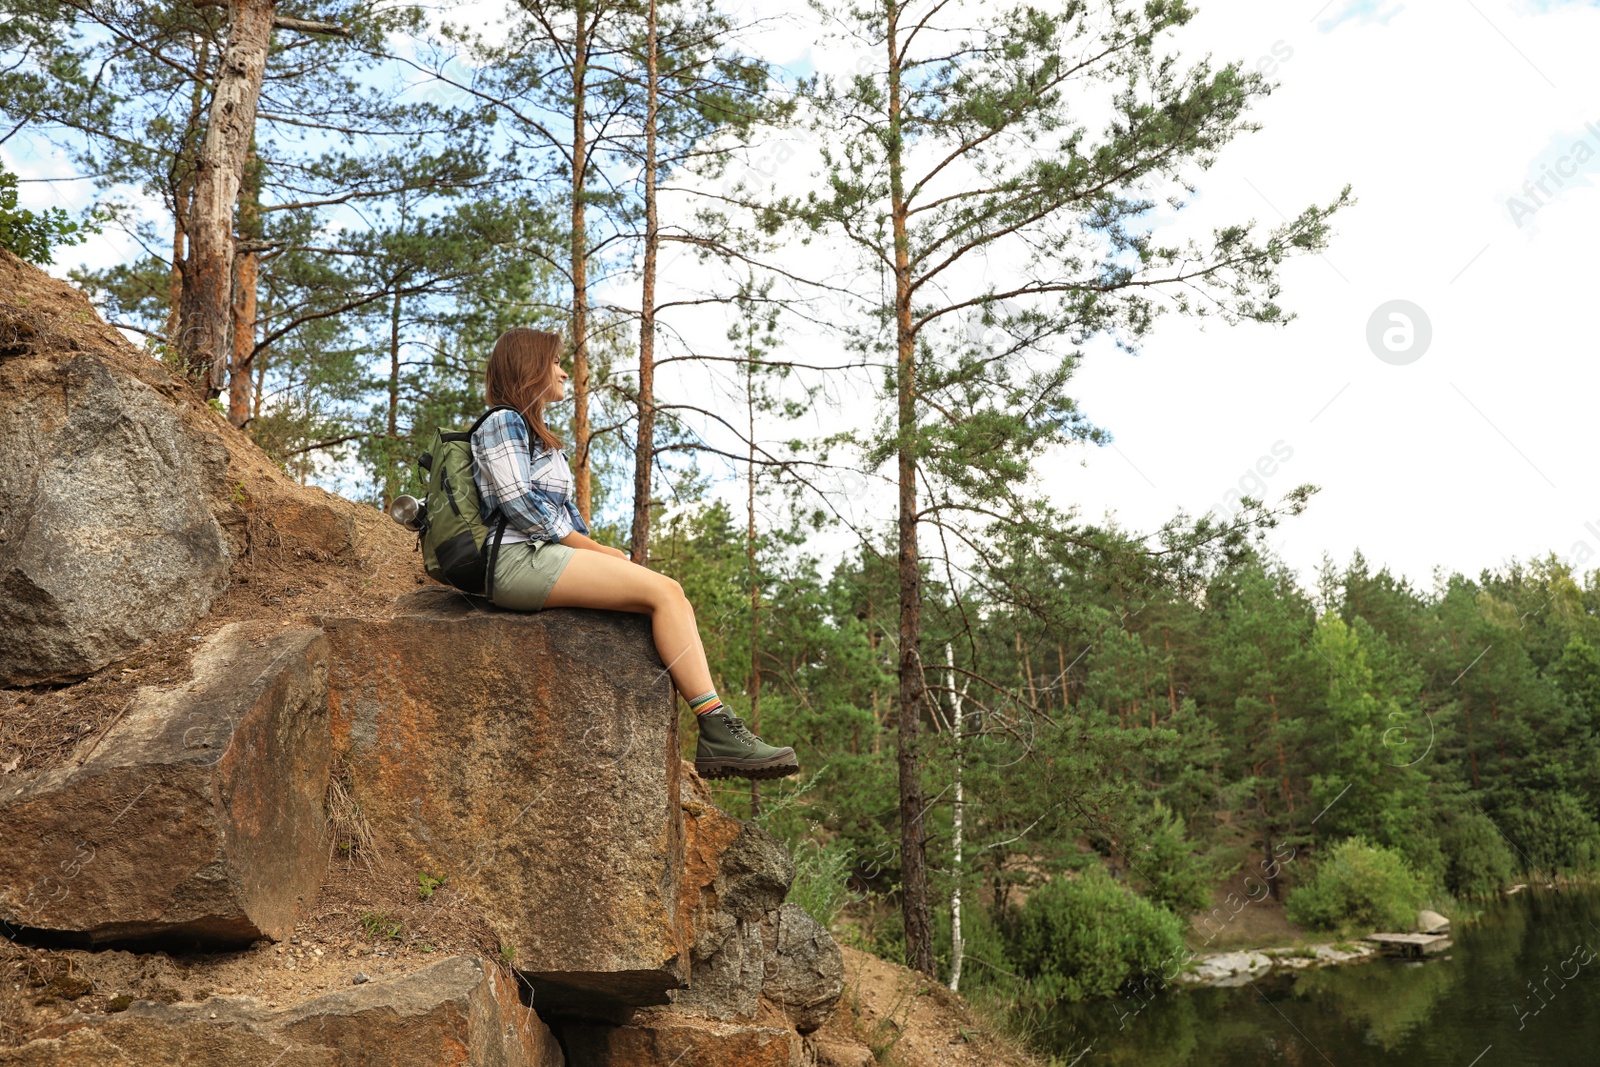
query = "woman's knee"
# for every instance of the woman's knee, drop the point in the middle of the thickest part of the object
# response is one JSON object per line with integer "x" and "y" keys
{"x": 667, "y": 595}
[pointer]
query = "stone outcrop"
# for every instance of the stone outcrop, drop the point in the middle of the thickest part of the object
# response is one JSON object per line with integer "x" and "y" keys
{"x": 532, "y": 759}
{"x": 735, "y": 875}
{"x": 107, "y": 532}
{"x": 842, "y": 1052}
{"x": 458, "y": 1011}
{"x": 759, "y": 968}
{"x": 126, "y": 501}
{"x": 199, "y": 817}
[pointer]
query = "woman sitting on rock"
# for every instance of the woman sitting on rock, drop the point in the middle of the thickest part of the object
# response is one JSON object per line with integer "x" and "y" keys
{"x": 548, "y": 560}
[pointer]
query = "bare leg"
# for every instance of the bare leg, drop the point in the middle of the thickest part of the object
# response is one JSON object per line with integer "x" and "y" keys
{"x": 596, "y": 580}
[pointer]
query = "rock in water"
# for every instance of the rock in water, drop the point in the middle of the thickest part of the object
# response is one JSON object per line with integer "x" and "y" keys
{"x": 197, "y": 819}
{"x": 533, "y": 760}
{"x": 108, "y": 537}
{"x": 1431, "y": 922}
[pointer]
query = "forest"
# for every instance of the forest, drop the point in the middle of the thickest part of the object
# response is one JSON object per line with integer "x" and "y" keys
{"x": 823, "y": 327}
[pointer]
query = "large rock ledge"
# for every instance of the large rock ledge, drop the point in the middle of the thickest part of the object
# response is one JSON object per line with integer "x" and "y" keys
{"x": 198, "y": 817}
{"x": 533, "y": 760}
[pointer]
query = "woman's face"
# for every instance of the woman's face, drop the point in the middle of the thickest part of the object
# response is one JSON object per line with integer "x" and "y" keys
{"x": 558, "y": 384}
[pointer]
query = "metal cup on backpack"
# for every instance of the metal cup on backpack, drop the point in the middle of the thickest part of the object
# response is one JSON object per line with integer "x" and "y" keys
{"x": 409, "y": 512}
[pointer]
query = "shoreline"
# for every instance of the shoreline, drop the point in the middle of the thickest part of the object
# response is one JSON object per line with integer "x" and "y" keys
{"x": 1240, "y": 966}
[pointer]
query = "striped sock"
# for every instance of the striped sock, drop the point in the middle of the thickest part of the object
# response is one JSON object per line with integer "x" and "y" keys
{"x": 705, "y": 704}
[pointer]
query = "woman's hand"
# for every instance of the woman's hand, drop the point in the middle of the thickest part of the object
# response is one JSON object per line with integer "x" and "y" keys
{"x": 578, "y": 540}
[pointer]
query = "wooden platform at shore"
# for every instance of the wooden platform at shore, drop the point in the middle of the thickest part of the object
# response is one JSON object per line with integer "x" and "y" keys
{"x": 1415, "y": 945}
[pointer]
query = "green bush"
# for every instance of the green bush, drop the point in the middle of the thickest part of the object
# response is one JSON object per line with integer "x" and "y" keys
{"x": 1358, "y": 886}
{"x": 1087, "y": 936}
{"x": 1166, "y": 869}
{"x": 821, "y": 878}
{"x": 1476, "y": 858}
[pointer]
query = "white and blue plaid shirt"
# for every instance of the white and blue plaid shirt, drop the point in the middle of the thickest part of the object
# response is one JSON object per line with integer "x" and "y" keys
{"x": 530, "y": 484}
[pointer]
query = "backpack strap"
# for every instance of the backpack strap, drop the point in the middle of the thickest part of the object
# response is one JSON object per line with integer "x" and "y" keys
{"x": 486, "y": 414}
{"x": 466, "y": 435}
{"x": 498, "y": 517}
{"x": 494, "y": 555}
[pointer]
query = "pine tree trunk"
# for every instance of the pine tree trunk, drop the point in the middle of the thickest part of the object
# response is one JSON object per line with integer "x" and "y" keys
{"x": 1172, "y": 690}
{"x": 645, "y": 443}
{"x": 755, "y": 577}
{"x": 1061, "y": 664}
{"x": 244, "y": 340}
{"x": 206, "y": 308}
{"x": 580, "y": 269}
{"x": 877, "y": 711}
{"x": 957, "y": 942}
{"x": 1027, "y": 667}
{"x": 1283, "y": 763}
{"x": 913, "y": 831}
{"x": 183, "y": 185}
{"x": 175, "y": 281}
{"x": 260, "y": 365}
{"x": 244, "y": 297}
{"x": 391, "y": 477}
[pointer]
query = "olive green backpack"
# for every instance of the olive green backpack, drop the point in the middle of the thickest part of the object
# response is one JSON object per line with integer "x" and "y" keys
{"x": 458, "y": 546}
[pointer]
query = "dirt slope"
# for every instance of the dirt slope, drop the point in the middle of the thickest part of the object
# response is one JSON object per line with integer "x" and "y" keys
{"x": 902, "y": 1018}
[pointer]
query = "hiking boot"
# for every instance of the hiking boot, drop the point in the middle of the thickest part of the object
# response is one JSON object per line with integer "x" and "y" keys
{"x": 728, "y": 749}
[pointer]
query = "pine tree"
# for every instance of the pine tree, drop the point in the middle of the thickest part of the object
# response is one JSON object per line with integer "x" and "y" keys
{"x": 960, "y": 171}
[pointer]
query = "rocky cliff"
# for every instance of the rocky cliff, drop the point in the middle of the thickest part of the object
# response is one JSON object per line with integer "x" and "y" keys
{"x": 302, "y": 806}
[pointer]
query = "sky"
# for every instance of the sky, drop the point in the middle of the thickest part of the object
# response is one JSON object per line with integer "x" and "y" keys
{"x": 1465, "y": 453}
{"x": 1439, "y": 381}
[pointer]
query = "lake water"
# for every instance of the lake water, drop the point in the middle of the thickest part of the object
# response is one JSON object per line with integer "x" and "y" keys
{"x": 1521, "y": 987}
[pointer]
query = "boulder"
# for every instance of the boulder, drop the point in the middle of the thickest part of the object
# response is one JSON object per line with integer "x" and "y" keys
{"x": 664, "y": 1039}
{"x": 734, "y": 873}
{"x": 836, "y": 1051}
{"x": 457, "y": 1011}
{"x": 804, "y": 969}
{"x": 533, "y": 760}
{"x": 754, "y": 873}
{"x": 1431, "y": 922}
{"x": 132, "y": 1039}
{"x": 108, "y": 537}
{"x": 197, "y": 818}
{"x": 460, "y": 1010}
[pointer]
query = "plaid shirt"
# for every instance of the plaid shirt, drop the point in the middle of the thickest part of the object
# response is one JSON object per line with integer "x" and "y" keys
{"x": 530, "y": 484}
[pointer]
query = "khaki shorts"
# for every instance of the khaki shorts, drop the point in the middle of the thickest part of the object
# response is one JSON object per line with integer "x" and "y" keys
{"x": 526, "y": 571}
